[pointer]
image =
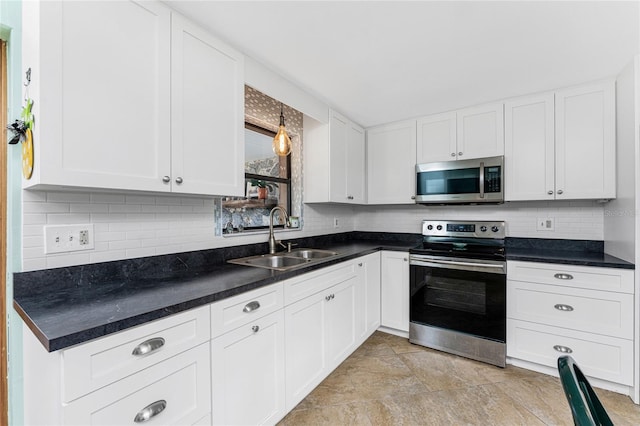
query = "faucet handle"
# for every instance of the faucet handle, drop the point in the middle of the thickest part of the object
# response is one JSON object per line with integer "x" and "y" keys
{"x": 289, "y": 245}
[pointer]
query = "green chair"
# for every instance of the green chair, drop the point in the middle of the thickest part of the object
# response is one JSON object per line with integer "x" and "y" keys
{"x": 585, "y": 405}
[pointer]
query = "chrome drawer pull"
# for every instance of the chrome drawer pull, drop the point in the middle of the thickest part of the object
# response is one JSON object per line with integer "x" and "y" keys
{"x": 255, "y": 328}
{"x": 251, "y": 306}
{"x": 150, "y": 411}
{"x": 148, "y": 346}
{"x": 563, "y": 276}
{"x": 561, "y": 307}
{"x": 563, "y": 349}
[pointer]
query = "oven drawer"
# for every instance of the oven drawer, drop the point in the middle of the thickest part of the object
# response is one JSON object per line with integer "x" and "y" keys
{"x": 602, "y": 357}
{"x": 588, "y": 277}
{"x": 590, "y": 311}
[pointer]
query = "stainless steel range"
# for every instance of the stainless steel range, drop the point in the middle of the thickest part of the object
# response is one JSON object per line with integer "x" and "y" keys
{"x": 458, "y": 289}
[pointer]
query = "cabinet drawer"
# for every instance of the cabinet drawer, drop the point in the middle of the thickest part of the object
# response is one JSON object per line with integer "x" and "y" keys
{"x": 231, "y": 313}
{"x": 589, "y": 277}
{"x": 602, "y": 357}
{"x": 92, "y": 365}
{"x": 590, "y": 311}
{"x": 182, "y": 382}
{"x": 305, "y": 285}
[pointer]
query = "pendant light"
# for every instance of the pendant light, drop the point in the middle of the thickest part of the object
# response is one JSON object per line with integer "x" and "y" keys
{"x": 282, "y": 142}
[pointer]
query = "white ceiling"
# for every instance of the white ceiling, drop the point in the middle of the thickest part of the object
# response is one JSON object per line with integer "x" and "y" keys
{"x": 383, "y": 61}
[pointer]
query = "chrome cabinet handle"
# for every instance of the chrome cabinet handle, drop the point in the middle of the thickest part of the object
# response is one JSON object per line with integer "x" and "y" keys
{"x": 350, "y": 197}
{"x": 179, "y": 180}
{"x": 166, "y": 179}
{"x": 255, "y": 328}
{"x": 148, "y": 346}
{"x": 563, "y": 349}
{"x": 405, "y": 259}
{"x": 251, "y": 306}
{"x": 150, "y": 411}
{"x": 329, "y": 297}
{"x": 560, "y": 191}
{"x": 360, "y": 264}
{"x": 550, "y": 192}
{"x": 564, "y": 276}
{"x": 413, "y": 197}
{"x": 453, "y": 154}
{"x": 562, "y": 307}
{"x": 460, "y": 154}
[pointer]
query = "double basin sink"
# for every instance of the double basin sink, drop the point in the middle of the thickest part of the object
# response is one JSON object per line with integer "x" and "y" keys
{"x": 285, "y": 261}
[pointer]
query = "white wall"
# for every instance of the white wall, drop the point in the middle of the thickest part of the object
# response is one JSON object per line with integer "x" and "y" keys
{"x": 620, "y": 214}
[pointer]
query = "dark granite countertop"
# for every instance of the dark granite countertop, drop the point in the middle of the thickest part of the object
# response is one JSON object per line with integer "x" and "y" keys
{"x": 566, "y": 252}
{"x": 68, "y": 306}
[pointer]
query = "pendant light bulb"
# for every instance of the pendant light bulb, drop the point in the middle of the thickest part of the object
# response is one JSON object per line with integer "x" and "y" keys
{"x": 282, "y": 142}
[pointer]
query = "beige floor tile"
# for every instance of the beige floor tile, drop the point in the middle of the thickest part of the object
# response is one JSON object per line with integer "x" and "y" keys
{"x": 344, "y": 414}
{"x": 389, "y": 381}
{"x": 620, "y": 408}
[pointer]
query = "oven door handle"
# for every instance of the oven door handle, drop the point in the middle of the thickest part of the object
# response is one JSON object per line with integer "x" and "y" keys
{"x": 465, "y": 266}
{"x": 482, "y": 179}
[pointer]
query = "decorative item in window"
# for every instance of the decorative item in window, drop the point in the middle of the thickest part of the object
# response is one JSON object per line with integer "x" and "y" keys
{"x": 282, "y": 142}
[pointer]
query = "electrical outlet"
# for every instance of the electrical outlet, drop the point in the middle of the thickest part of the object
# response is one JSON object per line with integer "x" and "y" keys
{"x": 64, "y": 238}
{"x": 545, "y": 224}
{"x": 335, "y": 222}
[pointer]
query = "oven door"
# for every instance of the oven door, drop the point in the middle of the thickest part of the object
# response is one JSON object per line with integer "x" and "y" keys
{"x": 463, "y": 295}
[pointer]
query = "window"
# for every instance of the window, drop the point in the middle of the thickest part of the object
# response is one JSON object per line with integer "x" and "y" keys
{"x": 267, "y": 183}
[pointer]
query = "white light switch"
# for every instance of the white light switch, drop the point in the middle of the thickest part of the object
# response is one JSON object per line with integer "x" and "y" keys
{"x": 64, "y": 238}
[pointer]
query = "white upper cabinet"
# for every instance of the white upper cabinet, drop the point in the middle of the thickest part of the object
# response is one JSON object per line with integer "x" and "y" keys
{"x": 101, "y": 95}
{"x": 459, "y": 135}
{"x": 207, "y": 113}
{"x": 529, "y": 157}
{"x": 561, "y": 145}
{"x": 334, "y": 161}
{"x": 585, "y": 142}
{"x": 391, "y": 161}
{"x": 115, "y": 102}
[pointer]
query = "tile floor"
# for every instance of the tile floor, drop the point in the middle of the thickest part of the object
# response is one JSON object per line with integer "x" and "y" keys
{"x": 388, "y": 381}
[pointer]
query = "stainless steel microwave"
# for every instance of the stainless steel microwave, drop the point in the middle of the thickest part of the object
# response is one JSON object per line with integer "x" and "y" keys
{"x": 478, "y": 180}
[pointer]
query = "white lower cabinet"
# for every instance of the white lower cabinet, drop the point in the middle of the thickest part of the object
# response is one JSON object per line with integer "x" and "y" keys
{"x": 247, "y": 359}
{"x": 320, "y": 333}
{"x": 395, "y": 290}
{"x": 247, "y": 366}
{"x": 586, "y": 312}
{"x": 173, "y": 392}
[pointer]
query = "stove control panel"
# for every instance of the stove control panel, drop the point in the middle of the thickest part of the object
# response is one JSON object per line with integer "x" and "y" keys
{"x": 470, "y": 229}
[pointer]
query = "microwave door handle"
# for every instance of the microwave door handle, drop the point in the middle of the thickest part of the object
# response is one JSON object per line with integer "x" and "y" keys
{"x": 482, "y": 179}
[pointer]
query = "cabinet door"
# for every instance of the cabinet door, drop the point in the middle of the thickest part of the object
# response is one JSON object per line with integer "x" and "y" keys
{"x": 391, "y": 161}
{"x": 355, "y": 165}
{"x": 480, "y": 131}
{"x": 368, "y": 314}
{"x": 529, "y": 145}
{"x": 436, "y": 135}
{"x": 341, "y": 321}
{"x": 103, "y": 100}
{"x": 207, "y": 116}
{"x": 305, "y": 334}
{"x": 247, "y": 367}
{"x": 338, "y": 163}
{"x": 395, "y": 290}
{"x": 585, "y": 142}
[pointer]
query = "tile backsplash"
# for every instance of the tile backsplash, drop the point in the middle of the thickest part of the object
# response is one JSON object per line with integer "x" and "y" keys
{"x": 129, "y": 225}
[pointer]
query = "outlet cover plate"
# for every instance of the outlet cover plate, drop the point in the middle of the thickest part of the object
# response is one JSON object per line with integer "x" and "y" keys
{"x": 66, "y": 238}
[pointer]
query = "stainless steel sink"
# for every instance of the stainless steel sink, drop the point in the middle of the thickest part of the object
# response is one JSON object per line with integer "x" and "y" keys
{"x": 310, "y": 253}
{"x": 285, "y": 261}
